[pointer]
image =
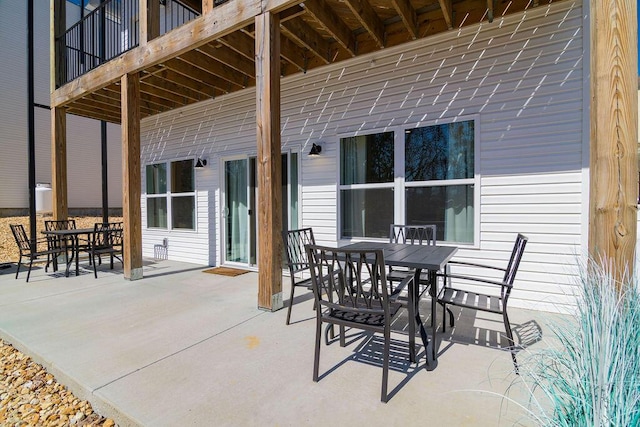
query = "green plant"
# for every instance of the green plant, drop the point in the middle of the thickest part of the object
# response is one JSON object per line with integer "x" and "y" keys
{"x": 591, "y": 376}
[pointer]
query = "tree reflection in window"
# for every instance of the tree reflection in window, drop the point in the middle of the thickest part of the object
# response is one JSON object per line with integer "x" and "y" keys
{"x": 440, "y": 152}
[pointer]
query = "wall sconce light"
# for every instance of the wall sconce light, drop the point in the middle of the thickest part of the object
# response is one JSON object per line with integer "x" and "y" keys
{"x": 315, "y": 150}
{"x": 201, "y": 163}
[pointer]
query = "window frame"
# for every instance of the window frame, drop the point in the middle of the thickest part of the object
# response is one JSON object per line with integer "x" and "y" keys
{"x": 169, "y": 195}
{"x": 399, "y": 184}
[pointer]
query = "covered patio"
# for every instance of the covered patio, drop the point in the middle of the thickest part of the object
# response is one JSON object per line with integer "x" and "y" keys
{"x": 183, "y": 347}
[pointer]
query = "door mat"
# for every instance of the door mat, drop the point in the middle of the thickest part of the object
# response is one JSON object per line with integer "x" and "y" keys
{"x": 226, "y": 271}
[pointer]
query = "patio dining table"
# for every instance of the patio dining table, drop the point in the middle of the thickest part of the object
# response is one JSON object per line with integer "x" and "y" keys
{"x": 417, "y": 257}
{"x": 73, "y": 235}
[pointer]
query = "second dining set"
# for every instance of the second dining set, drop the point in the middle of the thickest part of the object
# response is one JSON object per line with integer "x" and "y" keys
{"x": 65, "y": 243}
{"x": 103, "y": 239}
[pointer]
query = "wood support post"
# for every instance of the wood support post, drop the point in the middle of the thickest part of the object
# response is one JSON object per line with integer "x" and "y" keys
{"x": 267, "y": 36}
{"x": 149, "y": 20}
{"x": 614, "y": 133}
{"x": 207, "y": 6}
{"x": 131, "y": 181}
{"x": 59, "y": 163}
{"x": 58, "y": 25}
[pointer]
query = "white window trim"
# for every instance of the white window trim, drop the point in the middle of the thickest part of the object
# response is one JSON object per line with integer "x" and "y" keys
{"x": 169, "y": 195}
{"x": 399, "y": 183}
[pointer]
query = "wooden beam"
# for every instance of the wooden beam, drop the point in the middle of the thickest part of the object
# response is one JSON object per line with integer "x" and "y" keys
{"x": 614, "y": 132}
{"x": 447, "y": 11}
{"x": 408, "y": 15}
{"x": 131, "y": 176}
{"x": 59, "y": 163}
{"x": 298, "y": 30}
{"x": 368, "y": 18}
{"x": 331, "y": 22}
{"x": 269, "y": 162}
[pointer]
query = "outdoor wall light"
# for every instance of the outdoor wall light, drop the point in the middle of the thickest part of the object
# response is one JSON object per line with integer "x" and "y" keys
{"x": 201, "y": 163}
{"x": 315, "y": 150}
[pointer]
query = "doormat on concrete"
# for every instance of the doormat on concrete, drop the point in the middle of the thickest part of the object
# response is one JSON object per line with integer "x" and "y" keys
{"x": 226, "y": 271}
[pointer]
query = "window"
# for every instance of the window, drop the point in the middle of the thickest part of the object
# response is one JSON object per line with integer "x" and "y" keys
{"x": 366, "y": 185}
{"x": 171, "y": 196}
{"x": 439, "y": 179}
{"x": 436, "y": 183}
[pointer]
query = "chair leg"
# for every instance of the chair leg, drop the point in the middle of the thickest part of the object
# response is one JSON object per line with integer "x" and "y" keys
{"x": 316, "y": 358}
{"x": 385, "y": 364}
{"x": 29, "y": 271}
{"x": 111, "y": 261}
{"x": 343, "y": 341}
{"x": 291, "y": 302}
{"x": 18, "y": 270}
{"x": 95, "y": 270}
{"x": 512, "y": 345}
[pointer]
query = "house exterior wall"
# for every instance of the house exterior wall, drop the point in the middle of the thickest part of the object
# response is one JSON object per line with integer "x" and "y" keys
{"x": 83, "y": 135}
{"x": 521, "y": 77}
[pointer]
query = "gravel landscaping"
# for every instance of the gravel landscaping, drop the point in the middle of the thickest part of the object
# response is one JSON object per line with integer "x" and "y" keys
{"x": 29, "y": 395}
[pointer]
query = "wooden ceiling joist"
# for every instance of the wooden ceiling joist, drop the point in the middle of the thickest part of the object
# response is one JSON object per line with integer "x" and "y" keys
{"x": 168, "y": 86}
{"x": 191, "y": 71}
{"x": 332, "y": 23}
{"x": 447, "y": 11}
{"x": 241, "y": 43}
{"x": 298, "y": 30}
{"x": 225, "y": 55}
{"x": 368, "y": 19}
{"x": 197, "y": 85}
{"x": 216, "y": 68}
{"x": 408, "y": 15}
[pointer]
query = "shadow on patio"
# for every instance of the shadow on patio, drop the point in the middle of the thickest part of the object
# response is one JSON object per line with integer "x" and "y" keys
{"x": 180, "y": 347}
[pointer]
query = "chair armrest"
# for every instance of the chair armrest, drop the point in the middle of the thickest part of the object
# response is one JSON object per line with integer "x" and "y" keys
{"x": 473, "y": 264}
{"x": 393, "y": 297}
{"x": 475, "y": 279}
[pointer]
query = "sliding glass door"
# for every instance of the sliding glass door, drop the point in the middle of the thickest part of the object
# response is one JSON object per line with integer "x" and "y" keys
{"x": 240, "y": 206}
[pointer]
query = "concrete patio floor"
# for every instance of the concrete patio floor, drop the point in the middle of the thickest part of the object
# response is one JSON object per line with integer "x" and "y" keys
{"x": 183, "y": 347}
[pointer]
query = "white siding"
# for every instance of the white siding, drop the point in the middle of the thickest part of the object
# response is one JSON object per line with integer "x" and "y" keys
{"x": 83, "y": 135}
{"x": 521, "y": 76}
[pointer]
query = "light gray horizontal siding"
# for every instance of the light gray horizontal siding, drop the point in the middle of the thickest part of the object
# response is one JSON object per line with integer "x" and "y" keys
{"x": 521, "y": 76}
{"x": 83, "y": 135}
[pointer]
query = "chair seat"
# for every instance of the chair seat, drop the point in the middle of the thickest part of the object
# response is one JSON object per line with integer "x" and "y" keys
{"x": 477, "y": 301}
{"x": 372, "y": 320}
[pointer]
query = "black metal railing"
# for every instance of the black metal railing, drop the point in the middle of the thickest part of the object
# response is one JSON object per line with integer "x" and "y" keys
{"x": 174, "y": 14}
{"x": 107, "y": 32}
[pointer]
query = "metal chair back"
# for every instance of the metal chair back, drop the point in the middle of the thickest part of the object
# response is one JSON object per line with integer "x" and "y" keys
{"x": 22, "y": 240}
{"x": 64, "y": 224}
{"x": 412, "y": 234}
{"x": 297, "y": 261}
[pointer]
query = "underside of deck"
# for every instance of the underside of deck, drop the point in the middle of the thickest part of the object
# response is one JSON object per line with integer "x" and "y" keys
{"x": 214, "y": 54}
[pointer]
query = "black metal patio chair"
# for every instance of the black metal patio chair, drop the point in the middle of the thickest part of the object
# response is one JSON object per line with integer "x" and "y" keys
{"x": 297, "y": 261}
{"x": 350, "y": 290}
{"x": 31, "y": 252}
{"x": 106, "y": 240}
{"x": 57, "y": 242}
{"x": 464, "y": 293}
{"x": 413, "y": 235}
